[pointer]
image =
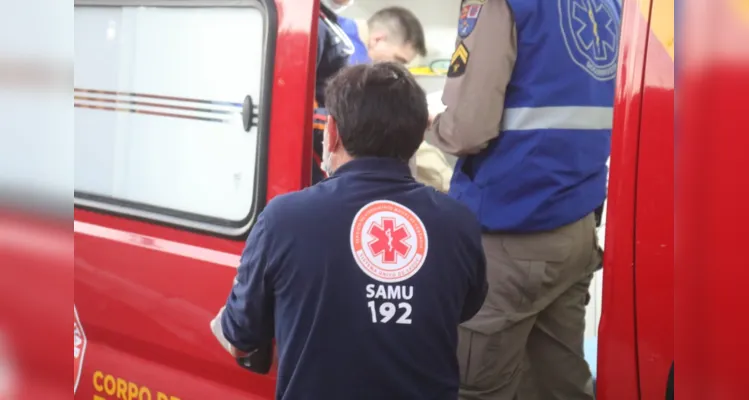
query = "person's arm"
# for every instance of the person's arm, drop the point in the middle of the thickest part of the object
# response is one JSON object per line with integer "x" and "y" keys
{"x": 474, "y": 92}
{"x": 246, "y": 321}
{"x": 431, "y": 167}
{"x": 478, "y": 286}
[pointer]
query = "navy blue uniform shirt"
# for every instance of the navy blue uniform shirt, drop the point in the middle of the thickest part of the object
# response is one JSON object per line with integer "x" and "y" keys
{"x": 364, "y": 279}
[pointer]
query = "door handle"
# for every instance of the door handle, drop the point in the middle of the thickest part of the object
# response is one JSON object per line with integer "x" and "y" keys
{"x": 249, "y": 113}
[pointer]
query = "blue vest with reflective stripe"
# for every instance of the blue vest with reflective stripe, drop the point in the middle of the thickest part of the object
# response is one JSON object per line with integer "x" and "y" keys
{"x": 548, "y": 168}
{"x": 361, "y": 54}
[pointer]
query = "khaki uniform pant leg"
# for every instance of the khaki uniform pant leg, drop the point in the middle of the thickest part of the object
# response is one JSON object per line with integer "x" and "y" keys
{"x": 556, "y": 368}
{"x": 534, "y": 283}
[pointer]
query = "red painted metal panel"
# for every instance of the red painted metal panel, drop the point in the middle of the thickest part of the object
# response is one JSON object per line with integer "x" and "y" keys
{"x": 35, "y": 292}
{"x": 710, "y": 202}
{"x": 145, "y": 293}
{"x": 617, "y": 360}
{"x": 654, "y": 218}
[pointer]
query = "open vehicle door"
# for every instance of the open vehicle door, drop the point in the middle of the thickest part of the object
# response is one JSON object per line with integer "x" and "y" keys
{"x": 636, "y": 333}
{"x": 189, "y": 116}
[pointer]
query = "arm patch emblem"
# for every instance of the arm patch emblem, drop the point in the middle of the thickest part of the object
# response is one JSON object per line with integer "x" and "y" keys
{"x": 459, "y": 61}
{"x": 469, "y": 14}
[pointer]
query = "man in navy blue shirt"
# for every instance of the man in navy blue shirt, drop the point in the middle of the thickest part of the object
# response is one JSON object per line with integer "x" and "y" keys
{"x": 363, "y": 278}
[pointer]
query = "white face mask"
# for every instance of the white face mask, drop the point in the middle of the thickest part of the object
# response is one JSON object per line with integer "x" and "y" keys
{"x": 326, "y": 155}
{"x": 325, "y": 164}
{"x": 335, "y": 7}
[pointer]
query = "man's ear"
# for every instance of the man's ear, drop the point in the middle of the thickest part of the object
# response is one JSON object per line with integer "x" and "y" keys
{"x": 331, "y": 131}
{"x": 376, "y": 37}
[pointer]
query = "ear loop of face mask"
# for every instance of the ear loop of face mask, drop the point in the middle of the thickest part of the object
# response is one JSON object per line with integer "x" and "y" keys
{"x": 325, "y": 164}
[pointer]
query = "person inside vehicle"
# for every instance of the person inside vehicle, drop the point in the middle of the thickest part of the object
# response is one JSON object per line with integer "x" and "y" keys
{"x": 529, "y": 113}
{"x": 391, "y": 34}
{"x": 398, "y": 35}
{"x": 356, "y": 277}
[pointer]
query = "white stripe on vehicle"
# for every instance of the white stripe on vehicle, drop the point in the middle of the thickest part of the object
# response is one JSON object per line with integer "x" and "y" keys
{"x": 161, "y": 245}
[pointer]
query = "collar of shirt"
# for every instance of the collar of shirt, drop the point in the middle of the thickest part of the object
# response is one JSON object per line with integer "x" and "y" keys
{"x": 378, "y": 165}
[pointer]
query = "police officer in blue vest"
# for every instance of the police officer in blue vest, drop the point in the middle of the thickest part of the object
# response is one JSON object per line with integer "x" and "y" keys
{"x": 363, "y": 278}
{"x": 529, "y": 98}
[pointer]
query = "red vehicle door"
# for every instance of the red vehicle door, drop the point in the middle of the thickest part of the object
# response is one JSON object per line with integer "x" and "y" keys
{"x": 636, "y": 331}
{"x": 190, "y": 116}
{"x": 654, "y": 215}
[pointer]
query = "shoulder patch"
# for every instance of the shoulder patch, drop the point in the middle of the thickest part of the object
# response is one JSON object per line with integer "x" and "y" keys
{"x": 459, "y": 61}
{"x": 469, "y": 14}
{"x": 388, "y": 241}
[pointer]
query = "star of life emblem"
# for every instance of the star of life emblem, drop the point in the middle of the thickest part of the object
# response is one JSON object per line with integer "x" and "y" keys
{"x": 388, "y": 241}
{"x": 590, "y": 29}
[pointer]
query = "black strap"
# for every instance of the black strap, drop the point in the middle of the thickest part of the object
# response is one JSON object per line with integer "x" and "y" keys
{"x": 259, "y": 361}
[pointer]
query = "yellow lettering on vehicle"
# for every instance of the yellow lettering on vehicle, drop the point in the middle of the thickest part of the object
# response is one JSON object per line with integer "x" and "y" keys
{"x": 98, "y": 376}
{"x": 110, "y": 387}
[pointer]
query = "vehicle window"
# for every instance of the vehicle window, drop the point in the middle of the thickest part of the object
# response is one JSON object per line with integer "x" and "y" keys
{"x": 159, "y": 92}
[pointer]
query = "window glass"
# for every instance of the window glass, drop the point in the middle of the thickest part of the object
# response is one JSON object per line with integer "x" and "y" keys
{"x": 158, "y": 102}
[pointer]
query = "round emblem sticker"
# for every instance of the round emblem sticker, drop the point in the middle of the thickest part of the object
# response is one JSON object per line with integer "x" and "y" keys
{"x": 590, "y": 29}
{"x": 389, "y": 241}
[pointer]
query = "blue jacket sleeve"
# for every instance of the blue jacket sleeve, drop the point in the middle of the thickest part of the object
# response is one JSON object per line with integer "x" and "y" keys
{"x": 247, "y": 321}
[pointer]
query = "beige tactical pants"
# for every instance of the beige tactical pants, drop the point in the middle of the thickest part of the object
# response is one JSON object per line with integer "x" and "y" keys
{"x": 530, "y": 328}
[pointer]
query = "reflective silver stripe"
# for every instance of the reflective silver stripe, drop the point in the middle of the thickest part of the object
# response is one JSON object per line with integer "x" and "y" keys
{"x": 532, "y": 118}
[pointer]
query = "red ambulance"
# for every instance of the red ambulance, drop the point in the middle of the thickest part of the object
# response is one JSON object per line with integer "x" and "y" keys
{"x": 191, "y": 115}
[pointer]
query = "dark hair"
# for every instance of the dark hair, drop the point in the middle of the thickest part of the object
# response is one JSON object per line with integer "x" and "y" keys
{"x": 403, "y": 25}
{"x": 379, "y": 109}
